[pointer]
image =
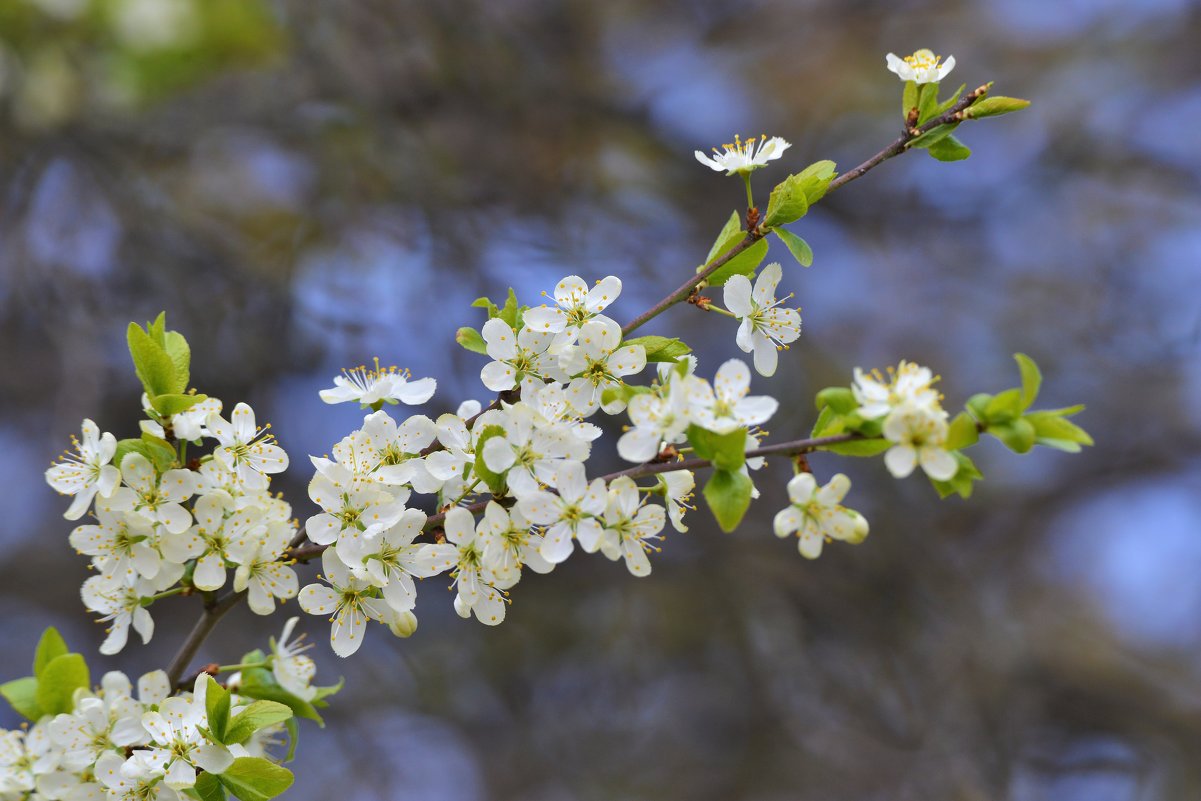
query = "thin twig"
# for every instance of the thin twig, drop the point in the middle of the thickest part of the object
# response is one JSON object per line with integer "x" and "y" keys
{"x": 207, "y": 622}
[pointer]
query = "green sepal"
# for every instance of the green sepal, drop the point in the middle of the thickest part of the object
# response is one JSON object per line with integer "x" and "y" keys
{"x": 728, "y": 494}
{"x": 50, "y": 646}
{"x": 798, "y": 247}
{"x": 949, "y": 149}
{"x": 257, "y": 715}
{"x": 745, "y": 263}
{"x": 58, "y": 681}
{"x": 217, "y": 702}
{"x": 733, "y": 226}
{"x": 962, "y": 433}
{"x": 791, "y": 198}
{"x": 255, "y": 779}
{"x": 174, "y": 403}
{"x": 995, "y": 106}
{"x": 1032, "y": 379}
{"x": 208, "y": 788}
{"x": 977, "y": 404}
{"x": 659, "y": 349}
{"x": 22, "y": 695}
{"x": 495, "y": 481}
{"x": 725, "y": 451}
{"x": 471, "y": 339}
{"x": 960, "y": 483}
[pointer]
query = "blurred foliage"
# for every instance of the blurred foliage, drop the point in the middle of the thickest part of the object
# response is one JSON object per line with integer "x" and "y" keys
{"x": 395, "y": 157}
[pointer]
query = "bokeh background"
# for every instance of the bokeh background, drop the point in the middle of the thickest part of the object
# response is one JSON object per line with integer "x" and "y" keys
{"x": 305, "y": 184}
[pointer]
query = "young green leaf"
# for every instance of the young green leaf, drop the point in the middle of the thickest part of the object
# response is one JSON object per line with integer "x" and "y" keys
{"x": 495, "y": 481}
{"x": 1004, "y": 407}
{"x": 208, "y": 788}
{"x": 927, "y": 101}
{"x": 1032, "y": 379}
{"x": 260, "y": 683}
{"x": 181, "y": 357}
{"x": 949, "y": 149}
{"x": 932, "y": 136}
{"x": 293, "y": 729}
{"x": 798, "y": 247}
{"x": 963, "y": 432}
{"x": 153, "y": 366}
{"x": 1017, "y": 435}
{"x": 659, "y": 349}
{"x": 728, "y": 494}
{"x": 950, "y": 101}
{"x": 908, "y": 99}
{"x": 733, "y": 226}
{"x": 726, "y": 451}
{"x": 960, "y": 483}
{"x": 58, "y": 681}
{"x": 859, "y": 447}
{"x": 21, "y": 694}
{"x": 174, "y": 403}
{"x": 793, "y": 196}
{"x": 840, "y": 399}
{"x": 470, "y": 339}
{"x": 1051, "y": 430}
{"x": 258, "y": 715}
{"x": 994, "y": 106}
{"x": 51, "y": 645}
{"x": 255, "y": 779}
{"x": 217, "y": 702}
{"x": 745, "y": 263}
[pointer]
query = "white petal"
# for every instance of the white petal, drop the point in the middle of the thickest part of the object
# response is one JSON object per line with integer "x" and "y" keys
{"x": 738, "y": 295}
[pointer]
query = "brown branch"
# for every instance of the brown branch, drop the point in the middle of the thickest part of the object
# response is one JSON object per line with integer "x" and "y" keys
{"x": 953, "y": 114}
{"x": 208, "y": 621}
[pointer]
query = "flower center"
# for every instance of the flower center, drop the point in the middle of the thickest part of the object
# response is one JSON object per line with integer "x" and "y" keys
{"x": 923, "y": 60}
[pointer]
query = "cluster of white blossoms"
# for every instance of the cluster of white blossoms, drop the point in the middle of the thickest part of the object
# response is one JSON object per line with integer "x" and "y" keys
{"x": 155, "y": 523}
{"x": 914, "y": 419}
{"x": 122, "y": 743}
{"x": 518, "y": 465}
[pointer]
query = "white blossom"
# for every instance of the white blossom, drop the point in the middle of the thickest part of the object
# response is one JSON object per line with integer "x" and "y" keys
{"x": 920, "y": 434}
{"x": 516, "y": 355}
{"x": 629, "y": 525}
{"x": 727, "y": 406}
{"x": 121, "y": 604}
{"x": 678, "y": 486}
{"x": 743, "y": 157}
{"x": 572, "y": 513}
{"x": 260, "y": 573}
{"x": 86, "y": 472}
{"x": 347, "y": 601}
{"x": 908, "y": 384}
{"x": 292, "y": 669}
{"x": 597, "y": 362}
{"x": 244, "y": 447}
{"x": 765, "y": 327}
{"x": 378, "y": 385}
{"x": 575, "y": 304}
{"x": 816, "y": 514}
{"x": 473, "y": 579}
{"x": 390, "y": 559}
{"x": 160, "y": 500}
{"x": 921, "y": 67}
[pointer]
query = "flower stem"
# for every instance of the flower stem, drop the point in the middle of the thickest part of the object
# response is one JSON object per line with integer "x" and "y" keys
{"x": 719, "y": 310}
{"x": 750, "y": 200}
{"x": 242, "y": 666}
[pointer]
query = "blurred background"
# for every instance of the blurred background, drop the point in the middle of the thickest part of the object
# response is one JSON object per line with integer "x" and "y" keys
{"x": 305, "y": 185}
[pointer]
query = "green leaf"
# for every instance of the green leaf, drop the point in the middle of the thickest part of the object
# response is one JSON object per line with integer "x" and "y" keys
{"x": 793, "y": 196}
{"x": 1017, "y": 435}
{"x": 978, "y": 404}
{"x": 217, "y": 702}
{"x": 1032, "y": 379}
{"x": 258, "y": 715}
{"x": 995, "y": 106}
{"x": 58, "y": 681}
{"x": 745, "y": 263}
{"x": 826, "y": 420}
{"x": 1052, "y": 430}
{"x": 260, "y": 683}
{"x": 484, "y": 303}
{"x": 21, "y": 694}
{"x": 908, "y": 99}
{"x": 963, "y": 432}
{"x": 511, "y": 312}
{"x": 659, "y": 349}
{"x": 208, "y": 788}
{"x": 157, "y": 330}
{"x": 1004, "y": 407}
{"x": 156, "y": 451}
{"x": 859, "y": 447}
{"x": 181, "y": 357}
{"x": 728, "y": 494}
{"x": 798, "y": 247}
{"x": 51, "y": 645}
{"x": 153, "y": 365}
{"x": 623, "y": 393}
{"x": 255, "y": 779}
{"x": 470, "y": 339}
{"x": 293, "y": 738}
{"x": 960, "y": 483}
{"x": 726, "y": 451}
{"x": 949, "y": 149}
{"x": 733, "y": 226}
{"x": 174, "y": 403}
{"x": 327, "y": 691}
{"x": 840, "y": 399}
{"x": 927, "y": 101}
{"x": 932, "y": 136}
{"x": 950, "y": 101}
{"x": 495, "y": 481}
